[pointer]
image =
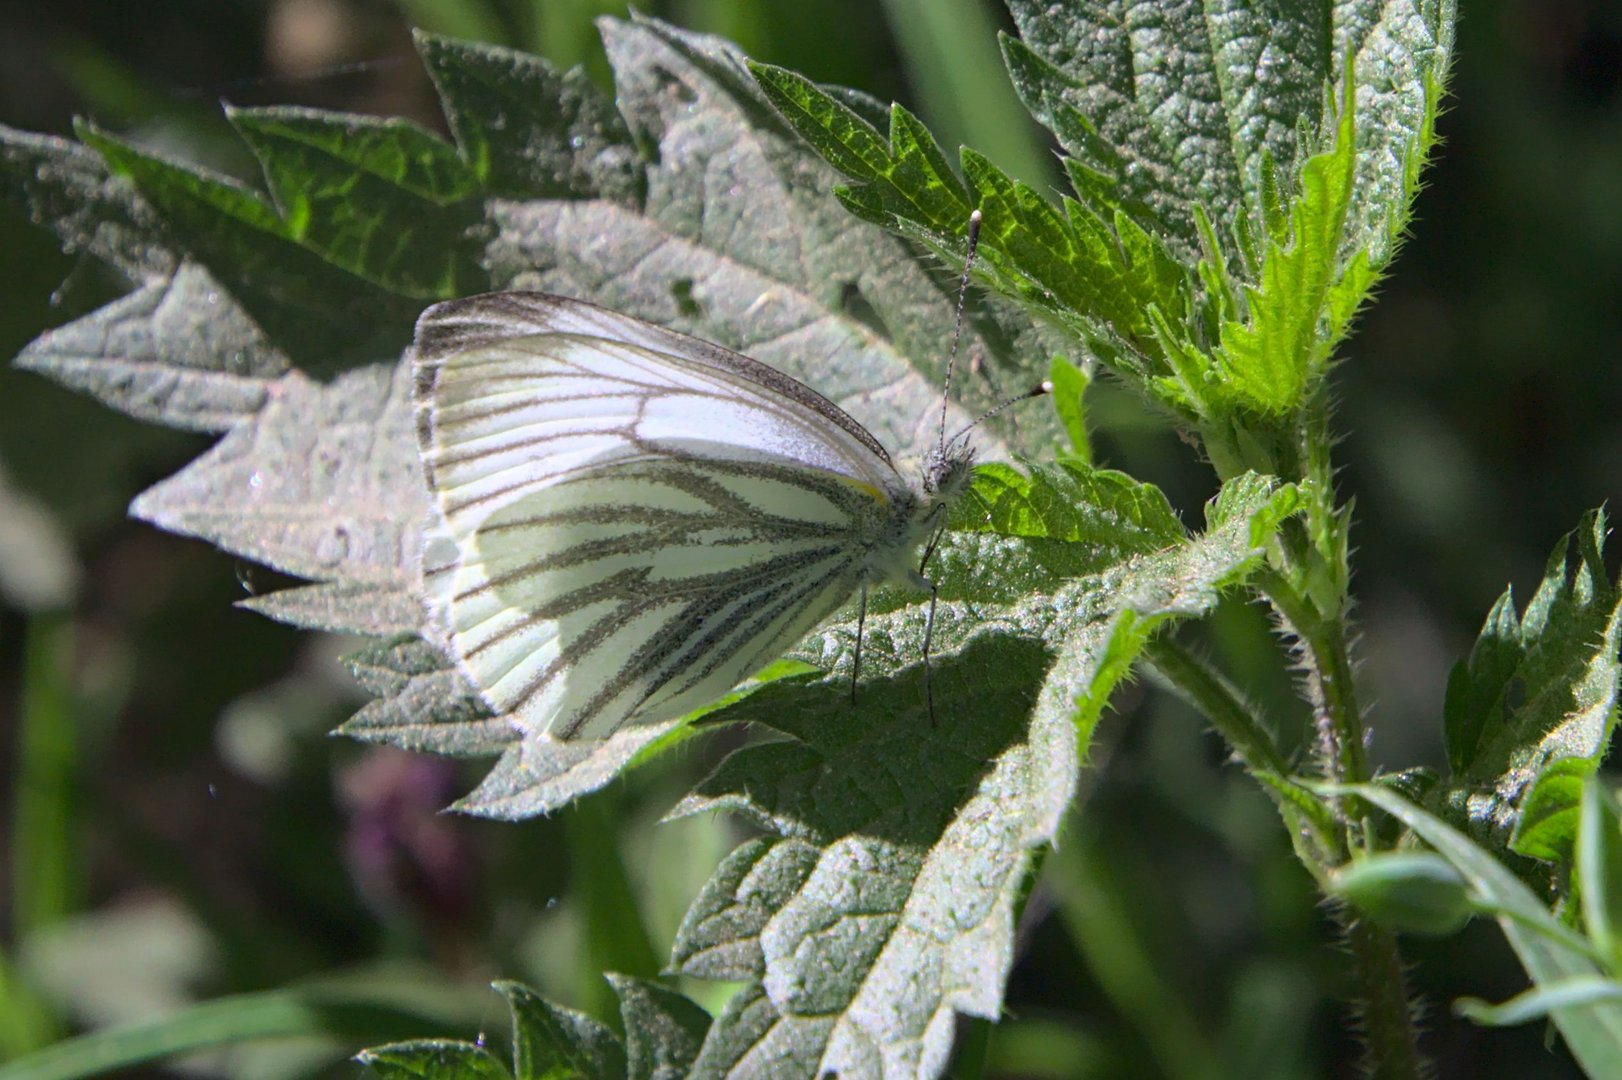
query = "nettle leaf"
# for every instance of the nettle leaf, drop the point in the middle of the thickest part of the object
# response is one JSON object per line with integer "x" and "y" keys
{"x": 322, "y": 317}
{"x": 1174, "y": 107}
{"x": 1099, "y": 277}
{"x": 1550, "y": 953}
{"x": 177, "y": 351}
{"x": 316, "y": 486}
{"x": 382, "y": 198}
{"x": 549, "y": 1042}
{"x": 881, "y": 900}
{"x": 528, "y": 131}
{"x": 69, "y": 189}
{"x": 1179, "y": 261}
{"x": 241, "y": 299}
{"x": 663, "y": 1029}
{"x": 737, "y": 242}
{"x": 1269, "y": 358}
{"x": 1538, "y": 688}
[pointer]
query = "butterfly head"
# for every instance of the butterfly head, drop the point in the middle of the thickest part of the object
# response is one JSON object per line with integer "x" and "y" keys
{"x": 947, "y": 469}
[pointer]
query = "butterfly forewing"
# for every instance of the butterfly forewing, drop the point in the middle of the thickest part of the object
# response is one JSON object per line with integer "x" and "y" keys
{"x": 638, "y": 519}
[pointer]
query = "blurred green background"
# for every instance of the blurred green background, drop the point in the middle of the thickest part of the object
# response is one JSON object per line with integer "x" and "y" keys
{"x": 178, "y": 827}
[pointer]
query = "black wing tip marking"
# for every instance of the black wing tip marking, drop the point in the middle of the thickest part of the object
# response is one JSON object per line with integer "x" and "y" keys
{"x": 457, "y": 325}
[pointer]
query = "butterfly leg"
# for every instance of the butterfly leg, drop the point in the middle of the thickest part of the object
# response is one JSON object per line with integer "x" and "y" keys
{"x": 856, "y": 663}
{"x": 929, "y": 633}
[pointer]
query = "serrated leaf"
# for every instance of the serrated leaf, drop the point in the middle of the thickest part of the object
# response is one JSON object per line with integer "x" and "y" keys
{"x": 1546, "y": 827}
{"x": 177, "y": 351}
{"x": 554, "y": 1043}
{"x": 539, "y": 774}
{"x": 1271, "y": 357}
{"x": 68, "y": 188}
{"x": 434, "y": 1059}
{"x": 319, "y": 315}
{"x": 322, "y": 483}
{"x": 1106, "y": 512}
{"x": 528, "y": 131}
{"x": 1536, "y": 688}
{"x": 1177, "y": 106}
{"x": 1550, "y": 953}
{"x": 907, "y": 915}
{"x": 663, "y": 1029}
{"x": 382, "y": 198}
{"x": 423, "y": 703}
{"x": 343, "y": 608}
{"x": 881, "y": 902}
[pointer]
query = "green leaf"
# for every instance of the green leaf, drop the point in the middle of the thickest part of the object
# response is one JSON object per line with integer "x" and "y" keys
{"x": 1177, "y": 106}
{"x": 434, "y": 1059}
{"x": 1069, "y": 401}
{"x": 663, "y": 1029}
{"x": 527, "y": 131}
{"x": 177, "y": 351}
{"x": 1271, "y": 358}
{"x": 382, "y": 198}
{"x": 313, "y": 311}
{"x": 68, "y": 188}
{"x": 1548, "y": 952}
{"x": 554, "y": 1043}
{"x": 907, "y": 913}
{"x": 1599, "y": 869}
{"x": 1537, "y": 688}
{"x": 1547, "y": 825}
{"x": 1540, "y": 1001}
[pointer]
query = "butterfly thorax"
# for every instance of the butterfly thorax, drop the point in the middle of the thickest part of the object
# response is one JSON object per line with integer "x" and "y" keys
{"x": 913, "y": 515}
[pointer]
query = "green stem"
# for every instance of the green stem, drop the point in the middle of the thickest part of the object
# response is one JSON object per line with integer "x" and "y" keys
{"x": 1388, "y": 1016}
{"x": 1251, "y": 743}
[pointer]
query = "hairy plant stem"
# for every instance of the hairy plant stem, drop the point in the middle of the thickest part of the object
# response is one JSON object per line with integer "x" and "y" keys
{"x": 1383, "y": 1004}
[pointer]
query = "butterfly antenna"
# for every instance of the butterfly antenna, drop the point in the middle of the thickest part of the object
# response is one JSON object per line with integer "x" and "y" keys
{"x": 1042, "y": 388}
{"x": 957, "y": 323}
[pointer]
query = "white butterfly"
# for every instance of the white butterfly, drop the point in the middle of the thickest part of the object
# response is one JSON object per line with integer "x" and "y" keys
{"x": 641, "y": 519}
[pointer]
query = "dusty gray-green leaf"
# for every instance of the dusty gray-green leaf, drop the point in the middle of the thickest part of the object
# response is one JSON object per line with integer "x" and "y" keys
{"x": 738, "y": 242}
{"x": 68, "y": 188}
{"x": 880, "y": 902}
{"x": 1178, "y": 105}
{"x": 922, "y": 835}
{"x": 663, "y": 1029}
{"x": 322, "y": 483}
{"x": 422, "y": 703}
{"x": 377, "y": 610}
{"x": 177, "y": 351}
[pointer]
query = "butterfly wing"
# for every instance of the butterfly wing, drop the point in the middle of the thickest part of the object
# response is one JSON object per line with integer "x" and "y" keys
{"x": 638, "y": 519}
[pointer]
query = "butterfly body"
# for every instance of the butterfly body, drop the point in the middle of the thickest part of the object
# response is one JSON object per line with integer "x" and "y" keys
{"x": 631, "y": 520}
